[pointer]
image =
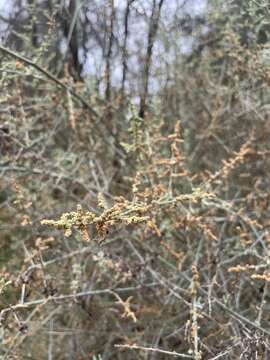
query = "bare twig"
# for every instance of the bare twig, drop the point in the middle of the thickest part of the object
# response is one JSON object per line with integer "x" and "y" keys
{"x": 50, "y": 76}
{"x": 137, "y": 347}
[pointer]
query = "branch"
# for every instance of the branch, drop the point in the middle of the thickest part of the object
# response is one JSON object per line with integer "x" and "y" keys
{"x": 70, "y": 91}
{"x": 51, "y": 77}
{"x": 137, "y": 347}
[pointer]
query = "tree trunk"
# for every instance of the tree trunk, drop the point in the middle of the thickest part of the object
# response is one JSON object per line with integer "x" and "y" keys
{"x": 153, "y": 28}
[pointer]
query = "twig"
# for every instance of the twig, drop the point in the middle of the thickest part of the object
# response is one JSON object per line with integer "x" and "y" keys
{"x": 51, "y": 77}
{"x": 137, "y": 347}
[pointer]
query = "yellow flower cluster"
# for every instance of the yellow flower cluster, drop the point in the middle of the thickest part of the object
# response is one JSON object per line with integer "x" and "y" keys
{"x": 122, "y": 212}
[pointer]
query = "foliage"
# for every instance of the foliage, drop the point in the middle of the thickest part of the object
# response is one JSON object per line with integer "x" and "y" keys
{"x": 125, "y": 237}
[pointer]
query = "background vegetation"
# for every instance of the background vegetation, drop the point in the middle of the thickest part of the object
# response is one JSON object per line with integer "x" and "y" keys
{"x": 134, "y": 188}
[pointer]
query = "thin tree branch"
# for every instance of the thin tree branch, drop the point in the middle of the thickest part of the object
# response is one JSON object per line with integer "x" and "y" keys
{"x": 137, "y": 347}
{"x": 51, "y": 77}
